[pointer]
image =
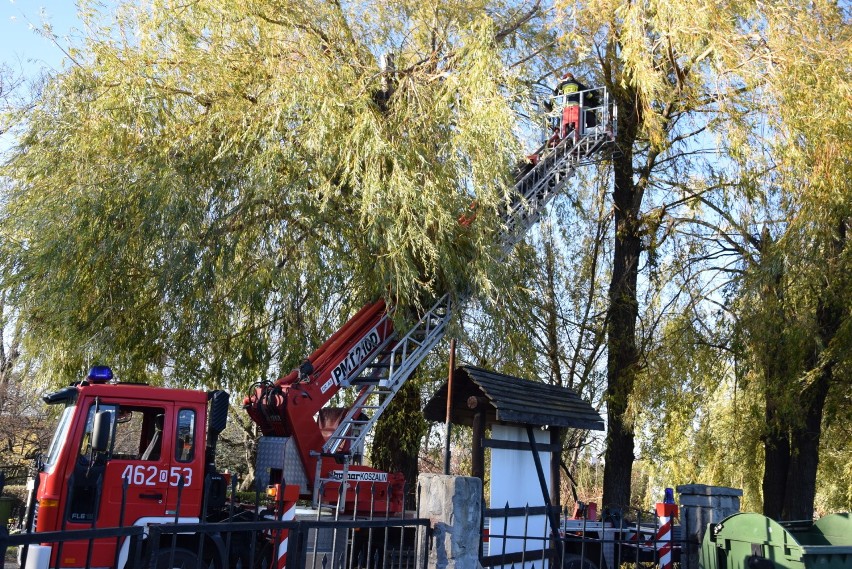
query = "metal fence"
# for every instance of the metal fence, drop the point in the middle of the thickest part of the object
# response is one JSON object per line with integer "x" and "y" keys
{"x": 523, "y": 537}
{"x": 362, "y": 544}
{"x": 248, "y": 536}
{"x": 329, "y": 539}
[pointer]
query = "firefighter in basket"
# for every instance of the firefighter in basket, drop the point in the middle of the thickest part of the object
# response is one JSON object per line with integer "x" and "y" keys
{"x": 570, "y": 97}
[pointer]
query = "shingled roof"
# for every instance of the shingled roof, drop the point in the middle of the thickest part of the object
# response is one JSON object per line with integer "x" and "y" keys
{"x": 512, "y": 400}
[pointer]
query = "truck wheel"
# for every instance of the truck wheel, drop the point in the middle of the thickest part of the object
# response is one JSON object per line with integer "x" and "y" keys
{"x": 181, "y": 559}
{"x": 574, "y": 561}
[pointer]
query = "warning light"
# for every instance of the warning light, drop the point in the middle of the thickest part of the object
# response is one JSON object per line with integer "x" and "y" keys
{"x": 99, "y": 374}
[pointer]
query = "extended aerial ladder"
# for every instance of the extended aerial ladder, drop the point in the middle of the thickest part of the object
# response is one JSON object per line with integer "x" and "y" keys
{"x": 368, "y": 354}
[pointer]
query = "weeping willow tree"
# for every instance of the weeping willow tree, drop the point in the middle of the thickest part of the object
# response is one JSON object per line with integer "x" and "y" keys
{"x": 211, "y": 187}
{"x": 774, "y": 398}
{"x": 805, "y": 269}
{"x": 208, "y": 190}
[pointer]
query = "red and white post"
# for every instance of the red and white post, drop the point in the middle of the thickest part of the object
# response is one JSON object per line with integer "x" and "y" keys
{"x": 666, "y": 512}
{"x": 286, "y": 497}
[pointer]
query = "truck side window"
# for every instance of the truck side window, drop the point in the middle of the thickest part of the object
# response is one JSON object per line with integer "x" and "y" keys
{"x": 185, "y": 436}
{"x": 138, "y": 433}
{"x": 86, "y": 442}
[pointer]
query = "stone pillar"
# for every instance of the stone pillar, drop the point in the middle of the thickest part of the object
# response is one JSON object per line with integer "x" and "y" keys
{"x": 454, "y": 505}
{"x": 701, "y": 505}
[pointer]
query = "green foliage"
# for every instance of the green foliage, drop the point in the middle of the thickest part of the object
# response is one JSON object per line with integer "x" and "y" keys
{"x": 187, "y": 198}
{"x": 835, "y": 467}
{"x": 210, "y": 189}
{"x": 699, "y": 424}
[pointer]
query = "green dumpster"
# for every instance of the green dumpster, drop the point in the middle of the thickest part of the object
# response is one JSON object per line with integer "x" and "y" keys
{"x": 753, "y": 541}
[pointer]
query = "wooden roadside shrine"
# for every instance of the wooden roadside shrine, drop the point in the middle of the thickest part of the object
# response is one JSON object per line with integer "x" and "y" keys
{"x": 525, "y": 418}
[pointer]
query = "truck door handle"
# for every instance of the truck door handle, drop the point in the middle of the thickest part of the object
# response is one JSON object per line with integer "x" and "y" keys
{"x": 156, "y": 496}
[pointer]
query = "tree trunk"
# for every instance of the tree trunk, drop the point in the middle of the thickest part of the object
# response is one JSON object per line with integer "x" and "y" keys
{"x": 552, "y": 313}
{"x": 805, "y": 436}
{"x": 622, "y": 356}
{"x": 792, "y": 439}
{"x": 779, "y": 372}
{"x": 804, "y": 441}
{"x": 776, "y": 451}
{"x": 250, "y": 441}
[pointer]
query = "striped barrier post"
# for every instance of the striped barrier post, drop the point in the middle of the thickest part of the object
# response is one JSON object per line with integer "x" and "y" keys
{"x": 286, "y": 497}
{"x": 666, "y": 512}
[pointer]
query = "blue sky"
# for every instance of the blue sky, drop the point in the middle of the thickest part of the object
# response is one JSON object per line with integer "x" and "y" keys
{"x": 21, "y": 47}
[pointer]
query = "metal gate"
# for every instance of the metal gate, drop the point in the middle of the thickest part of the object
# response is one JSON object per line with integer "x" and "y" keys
{"x": 521, "y": 537}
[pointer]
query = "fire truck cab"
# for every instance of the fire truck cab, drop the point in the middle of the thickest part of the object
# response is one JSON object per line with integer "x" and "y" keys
{"x": 156, "y": 441}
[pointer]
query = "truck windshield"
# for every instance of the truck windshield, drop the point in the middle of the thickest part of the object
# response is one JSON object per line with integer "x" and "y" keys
{"x": 59, "y": 436}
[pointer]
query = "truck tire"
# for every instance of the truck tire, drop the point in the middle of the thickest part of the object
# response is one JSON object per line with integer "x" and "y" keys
{"x": 574, "y": 561}
{"x": 181, "y": 559}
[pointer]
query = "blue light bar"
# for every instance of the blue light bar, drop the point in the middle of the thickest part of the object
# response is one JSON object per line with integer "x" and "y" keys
{"x": 99, "y": 374}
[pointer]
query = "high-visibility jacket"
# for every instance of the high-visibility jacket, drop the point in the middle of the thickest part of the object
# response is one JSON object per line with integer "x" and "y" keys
{"x": 570, "y": 88}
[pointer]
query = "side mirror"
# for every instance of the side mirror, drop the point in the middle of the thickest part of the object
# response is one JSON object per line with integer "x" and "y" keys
{"x": 101, "y": 431}
{"x": 218, "y": 412}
